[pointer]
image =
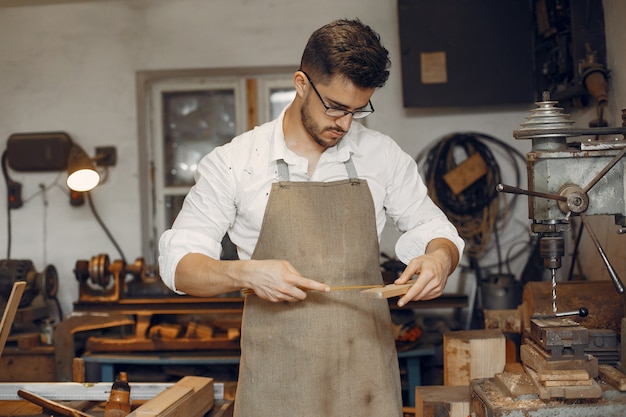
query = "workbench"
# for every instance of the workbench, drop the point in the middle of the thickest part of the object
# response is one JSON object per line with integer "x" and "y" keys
{"x": 105, "y": 363}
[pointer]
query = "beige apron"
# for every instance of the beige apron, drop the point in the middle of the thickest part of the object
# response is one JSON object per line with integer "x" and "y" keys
{"x": 333, "y": 354}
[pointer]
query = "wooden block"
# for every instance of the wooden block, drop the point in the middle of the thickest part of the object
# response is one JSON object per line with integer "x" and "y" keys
{"x": 200, "y": 331}
{"x": 78, "y": 370}
{"x": 515, "y": 384}
{"x": 612, "y": 376}
{"x": 233, "y": 334}
{"x": 442, "y": 401}
{"x": 509, "y": 321}
{"x": 388, "y": 291}
{"x": 192, "y": 396}
{"x": 472, "y": 354}
{"x": 164, "y": 331}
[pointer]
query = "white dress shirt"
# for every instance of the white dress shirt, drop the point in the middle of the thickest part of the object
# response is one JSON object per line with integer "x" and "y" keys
{"x": 233, "y": 183}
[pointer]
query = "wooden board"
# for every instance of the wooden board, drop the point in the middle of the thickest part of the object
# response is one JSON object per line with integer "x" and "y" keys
{"x": 471, "y": 354}
{"x": 388, "y": 291}
{"x": 9, "y": 312}
{"x": 192, "y": 396}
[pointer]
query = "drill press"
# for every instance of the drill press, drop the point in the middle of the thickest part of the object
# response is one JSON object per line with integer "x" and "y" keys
{"x": 566, "y": 179}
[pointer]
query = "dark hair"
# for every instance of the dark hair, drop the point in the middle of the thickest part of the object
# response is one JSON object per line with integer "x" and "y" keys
{"x": 347, "y": 48}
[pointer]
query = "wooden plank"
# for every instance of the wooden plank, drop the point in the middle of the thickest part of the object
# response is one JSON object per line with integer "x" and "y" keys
{"x": 192, "y": 396}
{"x": 169, "y": 399}
{"x": 9, "y": 312}
{"x": 388, "y": 291}
{"x": 612, "y": 376}
{"x": 568, "y": 383}
{"x": 565, "y": 391}
{"x": 563, "y": 375}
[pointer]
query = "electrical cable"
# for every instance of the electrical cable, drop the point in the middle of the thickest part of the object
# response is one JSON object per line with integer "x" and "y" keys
{"x": 7, "y": 181}
{"x": 478, "y": 209}
{"x": 106, "y": 230}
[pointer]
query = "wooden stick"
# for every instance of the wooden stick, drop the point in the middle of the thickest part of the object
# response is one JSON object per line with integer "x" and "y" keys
{"x": 9, "y": 311}
{"x": 372, "y": 291}
{"x": 51, "y": 405}
{"x": 248, "y": 291}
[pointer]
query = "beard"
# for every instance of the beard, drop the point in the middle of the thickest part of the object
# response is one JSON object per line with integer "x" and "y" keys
{"x": 315, "y": 131}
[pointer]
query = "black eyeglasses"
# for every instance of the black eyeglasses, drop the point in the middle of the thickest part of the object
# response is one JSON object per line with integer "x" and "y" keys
{"x": 336, "y": 112}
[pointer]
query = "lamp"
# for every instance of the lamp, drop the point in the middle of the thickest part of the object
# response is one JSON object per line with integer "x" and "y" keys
{"x": 56, "y": 151}
{"x": 81, "y": 173}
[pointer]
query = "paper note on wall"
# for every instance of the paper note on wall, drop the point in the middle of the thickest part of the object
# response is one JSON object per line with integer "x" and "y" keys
{"x": 433, "y": 68}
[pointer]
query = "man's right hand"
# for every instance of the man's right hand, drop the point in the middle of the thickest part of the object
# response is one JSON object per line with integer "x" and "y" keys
{"x": 272, "y": 280}
{"x": 277, "y": 281}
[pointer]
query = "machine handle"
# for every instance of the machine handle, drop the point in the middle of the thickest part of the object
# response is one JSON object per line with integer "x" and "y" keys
{"x": 502, "y": 188}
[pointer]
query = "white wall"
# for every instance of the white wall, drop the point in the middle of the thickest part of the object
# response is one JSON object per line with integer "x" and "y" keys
{"x": 71, "y": 67}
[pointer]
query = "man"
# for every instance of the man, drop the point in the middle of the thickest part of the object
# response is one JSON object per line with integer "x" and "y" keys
{"x": 305, "y": 198}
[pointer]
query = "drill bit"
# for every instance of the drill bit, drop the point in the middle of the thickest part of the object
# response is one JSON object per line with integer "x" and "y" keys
{"x": 553, "y": 272}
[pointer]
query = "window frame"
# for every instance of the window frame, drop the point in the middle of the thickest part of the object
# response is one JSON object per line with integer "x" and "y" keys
{"x": 252, "y": 87}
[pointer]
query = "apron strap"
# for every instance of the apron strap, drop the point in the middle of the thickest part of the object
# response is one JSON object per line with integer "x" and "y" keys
{"x": 283, "y": 170}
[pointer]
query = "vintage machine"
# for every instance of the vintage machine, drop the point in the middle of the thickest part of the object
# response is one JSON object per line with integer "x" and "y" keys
{"x": 101, "y": 280}
{"x": 567, "y": 178}
{"x": 41, "y": 289}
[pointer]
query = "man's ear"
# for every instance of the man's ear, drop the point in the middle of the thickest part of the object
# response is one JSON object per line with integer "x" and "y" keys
{"x": 299, "y": 82}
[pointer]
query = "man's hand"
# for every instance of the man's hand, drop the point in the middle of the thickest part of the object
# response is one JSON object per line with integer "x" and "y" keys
{"x": 432, "y": 268}
{"x": 278, "y": 281}
{"x": 272, "y": 280}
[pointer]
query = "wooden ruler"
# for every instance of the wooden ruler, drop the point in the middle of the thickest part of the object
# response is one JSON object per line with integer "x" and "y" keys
{"x": 373, "y": 291}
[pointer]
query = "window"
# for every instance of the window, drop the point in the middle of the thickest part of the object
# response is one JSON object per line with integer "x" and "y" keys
{"x": 185, "y": 116}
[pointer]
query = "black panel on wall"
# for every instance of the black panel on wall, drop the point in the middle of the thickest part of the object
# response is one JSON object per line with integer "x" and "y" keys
{"x": 466, "y": 52}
